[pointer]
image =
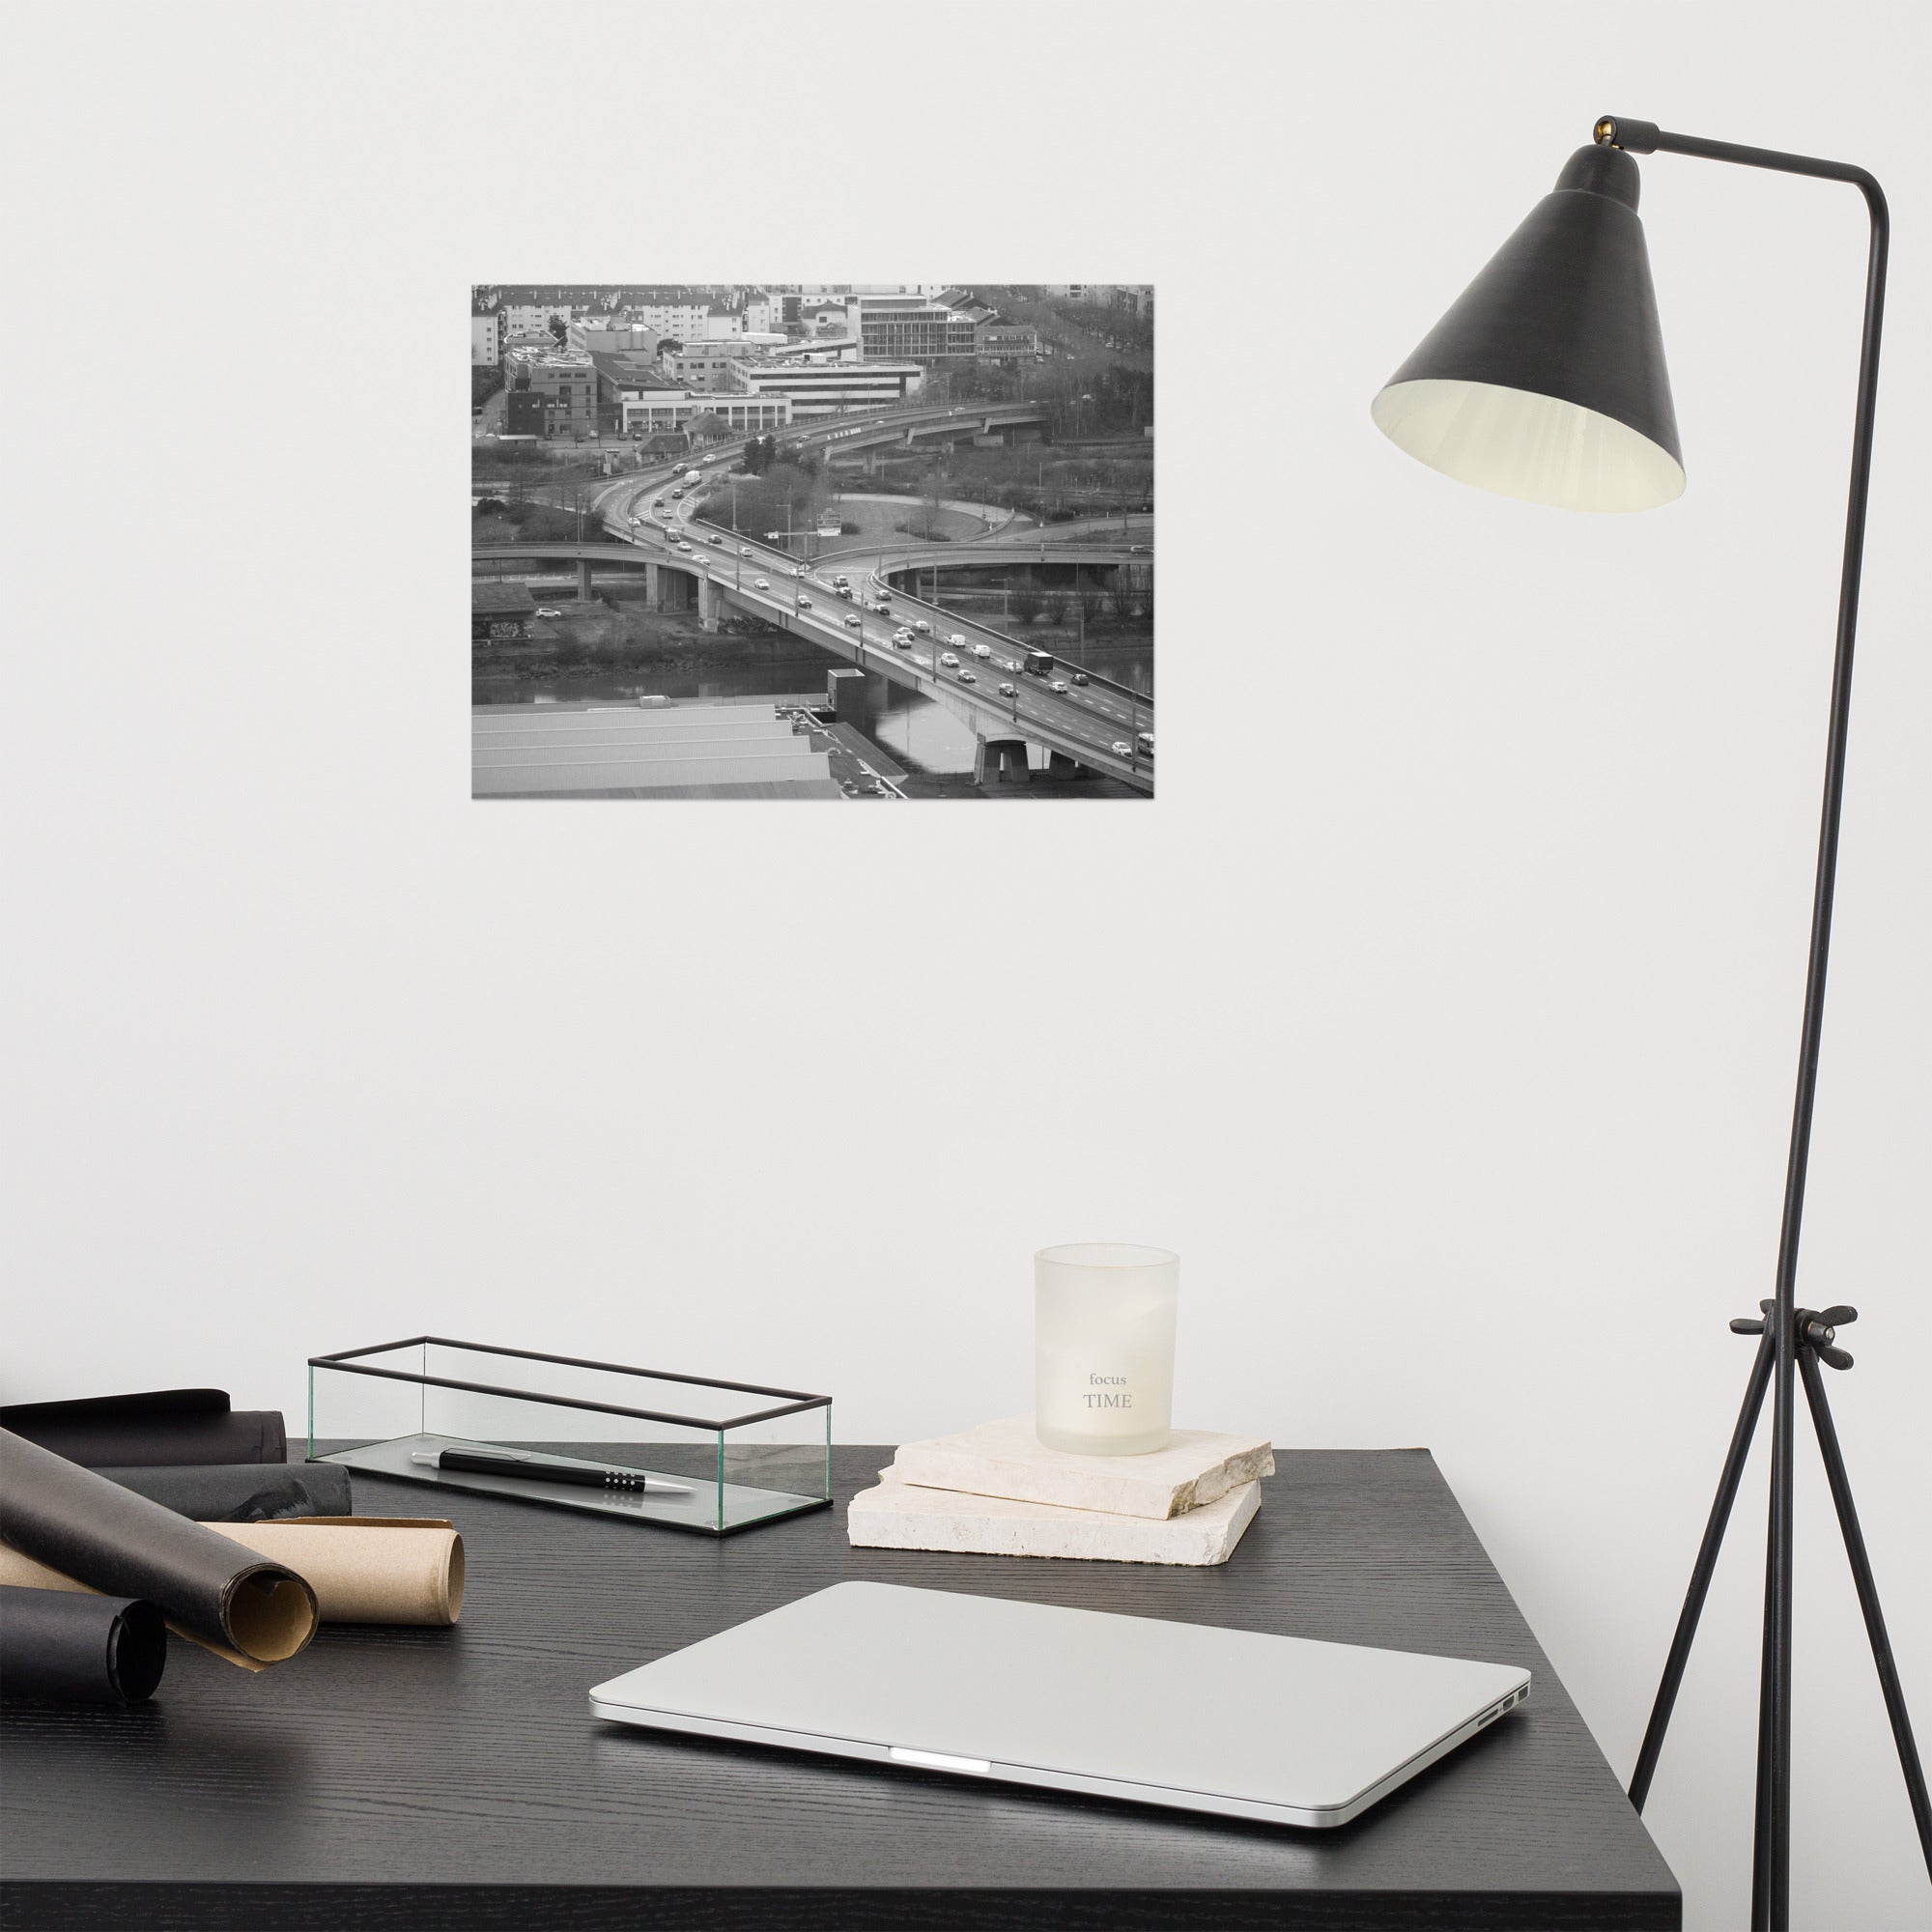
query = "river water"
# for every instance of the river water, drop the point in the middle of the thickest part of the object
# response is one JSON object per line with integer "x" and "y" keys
{"x": 922, "y": 735}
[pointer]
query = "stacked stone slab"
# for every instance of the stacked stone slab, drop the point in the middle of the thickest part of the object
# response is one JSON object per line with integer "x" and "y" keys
{"x": 997, "y": 1491}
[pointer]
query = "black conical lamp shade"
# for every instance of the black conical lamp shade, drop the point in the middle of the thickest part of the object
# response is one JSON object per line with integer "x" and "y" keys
{"x": 1545, "y": 380}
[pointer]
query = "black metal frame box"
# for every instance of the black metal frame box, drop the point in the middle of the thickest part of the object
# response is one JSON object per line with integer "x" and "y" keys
{"x": 402, "y": 1405}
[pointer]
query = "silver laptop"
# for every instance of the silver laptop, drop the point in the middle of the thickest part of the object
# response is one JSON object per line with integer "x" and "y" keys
{"x": 1279, "y": 1728}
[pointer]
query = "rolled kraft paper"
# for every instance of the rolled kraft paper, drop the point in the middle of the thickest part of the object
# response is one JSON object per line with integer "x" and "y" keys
{"x": 363, "y": 1569}
{"x": 105, "y": 1538}
{"x": 367, "y": 1570}
{"x": 79, "y": 1649}
{"x": 159, "y": 1426}
{"x": 243, "y": 1492}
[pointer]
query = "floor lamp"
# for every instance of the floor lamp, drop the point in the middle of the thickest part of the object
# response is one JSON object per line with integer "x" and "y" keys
{"x": 1545, "y": 380}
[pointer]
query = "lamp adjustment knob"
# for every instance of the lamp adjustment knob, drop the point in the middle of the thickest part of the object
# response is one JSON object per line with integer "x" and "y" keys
{"x": 1619, "y": 131}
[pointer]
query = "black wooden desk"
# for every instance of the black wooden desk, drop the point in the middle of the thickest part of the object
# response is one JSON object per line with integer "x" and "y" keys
{"x": 422, "y": 1779}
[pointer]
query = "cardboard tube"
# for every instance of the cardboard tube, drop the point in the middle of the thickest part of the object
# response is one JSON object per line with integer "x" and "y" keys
{"x": 363, "y": 1569}
{"x": 366, "y": 1570}
{"x": 89, "y": 1533}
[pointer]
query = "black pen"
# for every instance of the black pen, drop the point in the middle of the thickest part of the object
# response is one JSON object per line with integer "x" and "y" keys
{"x": 533, "y": 1468}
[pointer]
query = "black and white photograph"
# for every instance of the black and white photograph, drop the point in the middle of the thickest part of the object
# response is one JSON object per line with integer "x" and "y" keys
{"x": 838, "y": 540}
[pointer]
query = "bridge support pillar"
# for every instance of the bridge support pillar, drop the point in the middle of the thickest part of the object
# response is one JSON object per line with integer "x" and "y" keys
{"x": 1060, "y": 765}
{"x": 709, "y": 603}
{"x": 654, "y": 596}
{"x": 583, "y": 579}
{"x": 1001, "y": 762}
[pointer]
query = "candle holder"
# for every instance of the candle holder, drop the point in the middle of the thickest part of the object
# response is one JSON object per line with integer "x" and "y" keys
{"x": 1103, "y": 1347}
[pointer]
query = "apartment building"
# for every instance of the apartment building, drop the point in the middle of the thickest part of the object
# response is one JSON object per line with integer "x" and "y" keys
{"x": 606, "y": 334}
{"x": 565, "y": 380}
{"x": 999, "y": 341}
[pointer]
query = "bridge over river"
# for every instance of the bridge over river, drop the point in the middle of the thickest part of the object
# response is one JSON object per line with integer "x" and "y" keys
{"x": 1096, "y": 724}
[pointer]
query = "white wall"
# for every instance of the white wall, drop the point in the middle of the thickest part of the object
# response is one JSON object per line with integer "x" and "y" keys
{"x": 1441, "y": 1011}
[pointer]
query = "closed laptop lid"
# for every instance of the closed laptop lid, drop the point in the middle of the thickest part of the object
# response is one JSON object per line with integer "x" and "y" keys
{"x": 1096, "y": 1699}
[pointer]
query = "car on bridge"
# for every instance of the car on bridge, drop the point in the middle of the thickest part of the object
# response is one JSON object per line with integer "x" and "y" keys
{"x": 637, "y": 522}
{"x": 761, "y": 583}
{"x": 1009, "y": 691}
{"x": 966, "y": 678}
{"x": 805, "y": 603}
{"x": 744, "y": 550}
{"x": 1123, "y": 750}
{"x": 1144, "y": 739}
{"x": 544, "y": 610}
{"x": 946, "y": 658}
{"x": 1139, "y": 550}
{"x": 982, "y": 651}
{"x": 920, "y": 625}
{"x": 1058, "y": 683}
{"x": 716, "y": 542}
{"x": 1080, "y": 677}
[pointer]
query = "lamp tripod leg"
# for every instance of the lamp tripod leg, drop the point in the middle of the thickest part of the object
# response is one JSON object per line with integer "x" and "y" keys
{"x": 1774, "y": 1732}
{"x": 1701, "y": 1572}
{"x": 1762, "y": 1825}
{"x": 1868, "y": 1589}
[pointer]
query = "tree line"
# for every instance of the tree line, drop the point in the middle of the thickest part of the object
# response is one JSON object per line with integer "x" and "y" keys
{"x": 1130, "y": 593}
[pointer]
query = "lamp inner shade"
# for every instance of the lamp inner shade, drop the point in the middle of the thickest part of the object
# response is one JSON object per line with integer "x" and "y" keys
{"x": 1518, "y": 443}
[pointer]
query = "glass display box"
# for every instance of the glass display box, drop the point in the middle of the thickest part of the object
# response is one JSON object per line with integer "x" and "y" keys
{"x": 682, "y": 1452}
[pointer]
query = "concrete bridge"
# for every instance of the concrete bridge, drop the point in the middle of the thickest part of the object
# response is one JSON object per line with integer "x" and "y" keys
{"x": 585, "y": 556}
{"x": 909, "y": 426}
{"x": 896, "y": 562}
{"x": 1076, "y": 729}
{"x": 976, "y": 420}
{"x": 1079, "y": 729}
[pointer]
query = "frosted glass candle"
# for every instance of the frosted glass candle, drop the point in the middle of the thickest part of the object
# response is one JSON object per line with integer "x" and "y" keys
{"x": 1103, "y": 1347}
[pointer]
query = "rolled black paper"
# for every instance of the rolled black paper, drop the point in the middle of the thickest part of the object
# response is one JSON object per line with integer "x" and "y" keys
{"x": 78, "y": 1649}
{"x": 243, "y": 1492}
{"x": 207, "y": 1586}
{"x": 162, "y": 1426}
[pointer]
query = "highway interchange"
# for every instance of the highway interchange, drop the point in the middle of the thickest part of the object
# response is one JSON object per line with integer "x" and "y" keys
{"x": 1096, "y": 723}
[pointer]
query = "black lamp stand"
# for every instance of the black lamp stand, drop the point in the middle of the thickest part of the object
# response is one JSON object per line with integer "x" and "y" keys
{"x": 1794, "y": 1340}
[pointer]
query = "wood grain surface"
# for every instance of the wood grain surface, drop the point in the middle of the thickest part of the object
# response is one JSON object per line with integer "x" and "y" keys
{"x": 427, "y": 1778}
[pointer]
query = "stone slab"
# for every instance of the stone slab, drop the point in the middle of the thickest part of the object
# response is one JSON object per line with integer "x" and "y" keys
{"x": 1007, "y": 1459}
{"x": 904, "y": 1515}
